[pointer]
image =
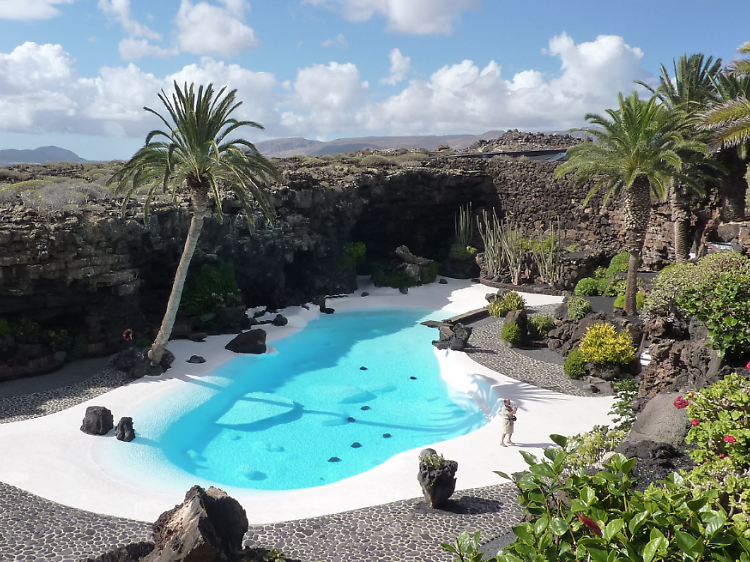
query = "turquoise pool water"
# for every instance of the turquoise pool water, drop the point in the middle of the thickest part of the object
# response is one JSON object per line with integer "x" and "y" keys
{"x": 341, "y": 396}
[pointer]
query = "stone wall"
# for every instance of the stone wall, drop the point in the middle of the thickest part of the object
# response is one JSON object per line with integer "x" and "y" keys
{"x": 94, "y": 271}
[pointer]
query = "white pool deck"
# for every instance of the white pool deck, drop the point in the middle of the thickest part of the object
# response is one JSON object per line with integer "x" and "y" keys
{"x": 49, "y": 456}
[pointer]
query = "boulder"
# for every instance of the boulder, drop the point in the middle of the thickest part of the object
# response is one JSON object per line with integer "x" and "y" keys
{"x": 437, "y": 477}
{"x": 520, "y": 318}
{"x": 252, "y": 341}
{"x": 196, "y": 359}
{"x": 454, "y": 337}
{"x": 98, "y": 420}
{"x": 280, "y": 320}
{"x": 207, "y": 527}
{"x": 661, "y": 422}
{"x": 124, "y": 430}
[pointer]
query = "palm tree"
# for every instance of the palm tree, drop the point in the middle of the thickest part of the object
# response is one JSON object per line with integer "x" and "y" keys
{"x": 637, "y": 153}
{"x": 194, "y": 155}
{"x": 729, "y": 120}
{"x": 690, "y": 92}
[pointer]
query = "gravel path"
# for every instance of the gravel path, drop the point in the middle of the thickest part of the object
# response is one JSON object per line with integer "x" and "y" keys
{"x": 35, "y": 529}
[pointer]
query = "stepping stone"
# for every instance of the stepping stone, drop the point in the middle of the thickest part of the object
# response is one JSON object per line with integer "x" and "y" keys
{"x": 350, "y": 419}
{"x": 387, "y": 435}
{"x": 365, "y": 408}
{"x": 356, "y": 445}
{"x": 334, "y": 459}
{"x": 363, "y": 368}
{"x": 413, "y": 378}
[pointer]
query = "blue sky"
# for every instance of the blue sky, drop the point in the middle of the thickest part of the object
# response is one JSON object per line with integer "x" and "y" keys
{"x": 77, "y": 73}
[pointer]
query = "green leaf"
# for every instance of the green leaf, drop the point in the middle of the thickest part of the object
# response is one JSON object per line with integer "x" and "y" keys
{"x": 502, "y": 474}
{"x": 523, "y": 532}
{"x": 637, "y": 522}
{"x": 653, "y": 546}
{"x": 541, "y": 525}
{"x": 588, "y": 495}
{"x": 612, "y": 528}
{"x": 558, "y": 526}
{"x": 714, "y": 522}
{"x": 598, "y": 554}
{"x": 559, "y": 440}
{"x": 697, "y": 504}
{"x": 628, "y": 465}
{"x": 529, "y": 458}
{"x": 543, "y": 470}
{"x": 689, "y": 544}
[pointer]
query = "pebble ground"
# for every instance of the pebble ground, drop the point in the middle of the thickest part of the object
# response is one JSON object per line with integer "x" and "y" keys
{"x": 33, "y": 529}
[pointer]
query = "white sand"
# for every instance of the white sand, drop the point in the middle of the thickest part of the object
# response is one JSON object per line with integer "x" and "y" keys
{"x": 51, "y": 457}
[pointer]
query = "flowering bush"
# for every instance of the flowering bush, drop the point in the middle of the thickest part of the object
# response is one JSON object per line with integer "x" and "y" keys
{"x": 603, "y": 345}
{"x": 720, "y": 428}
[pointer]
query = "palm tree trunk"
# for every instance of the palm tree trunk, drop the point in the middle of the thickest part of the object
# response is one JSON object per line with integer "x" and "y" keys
{"x": 680, "y": 219}
{"x": 733, "y": 186}
{"x": 199, "y": 206}
{"x": 637, "y": 217}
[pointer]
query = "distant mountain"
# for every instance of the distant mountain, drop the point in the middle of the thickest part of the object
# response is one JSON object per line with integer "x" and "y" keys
{"x": 40, "y": 155}
{"x": 281, "y": 148}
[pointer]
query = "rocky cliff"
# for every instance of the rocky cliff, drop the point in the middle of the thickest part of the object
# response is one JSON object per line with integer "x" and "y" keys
{"x": 95, "y": 270}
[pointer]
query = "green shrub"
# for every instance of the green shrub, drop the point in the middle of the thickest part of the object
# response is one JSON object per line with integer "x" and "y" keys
{"x": 615, "y": 288}
{"x": 720, "y": 430}
{"x": 575, "y": 364}
{"x": 600, "y": 273}
{"x": 625, "y": 393}
{"x": 4, "y": 328}
{"x": 374, "y": 160}
{"x": 352, "y": 255}
{"x": 618, "y": 264}
{"x": 211, "y": 288}
{"x": 26, "y": 331}
{"x": 503, "y": 305}
{"x": 602, "y": 518}
{"x": 511, "y": 333}
{"x": 461, "y": 253}
{"x": 58, "y": 340}
{"x": 593, "y": 446}
{"x": 588, "y": 287}
{"x": 603, "y": 345}
{"x": 724, "y": 307}
{"x": 540, "y": 325}
{"x": 428, "y": 273}
{"x": 396, "y": 280}
{"x": 640, "y": 300}
{"x": 578, "y": 307}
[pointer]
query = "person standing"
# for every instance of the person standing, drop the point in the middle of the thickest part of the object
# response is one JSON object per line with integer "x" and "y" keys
{"x": 508, "y": 415}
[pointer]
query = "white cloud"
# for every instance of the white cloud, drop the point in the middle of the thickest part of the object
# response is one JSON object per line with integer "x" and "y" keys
{"x": 119, "y": 10}
{"x": 419, "y": 17}
{"x": 400, "y": 67}
{"x": 30, "y": 9}
{"x": 207, "y": 29}
{"x": 339, "y": 41}
{"x": 333, "y": 97}
{"x": 134, "y": 49}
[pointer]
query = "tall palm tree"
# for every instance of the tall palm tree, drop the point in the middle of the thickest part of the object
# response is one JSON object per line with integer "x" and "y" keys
{"x": 729, "y": 121}
{"x": 195, "y": 155}
{"x": 689, "y": 92}
{"x": 635, "y": 154}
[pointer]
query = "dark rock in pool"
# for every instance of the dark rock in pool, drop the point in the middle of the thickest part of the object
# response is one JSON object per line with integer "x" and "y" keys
{"x": 334, "y": 459}
{"x": 280, "y": 320}
{"x": 124, "y": 430}
{"x": 196, "y": 359}
{"x": 365, "y": 408}
{"x": 403, "y": 290}
{"x": 350, "y": 419}
{"x": 98, "y": 420}
{"x": 356, "y": 445}
{"x": 365, "y": 294}
{"x": 252, "y": 341}
{"x": 363, "y": 368}
{"x": 387, "y": 435}
{"x": 326, "y": 310}
{"x": 443, "y": 281}
{"x": 413, "y": 378}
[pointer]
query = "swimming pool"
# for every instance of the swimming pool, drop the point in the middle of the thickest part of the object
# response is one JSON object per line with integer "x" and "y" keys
{"x": 341, "y": 396}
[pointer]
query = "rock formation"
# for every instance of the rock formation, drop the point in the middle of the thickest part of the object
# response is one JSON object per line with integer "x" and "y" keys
{"x": 98, "y": 420}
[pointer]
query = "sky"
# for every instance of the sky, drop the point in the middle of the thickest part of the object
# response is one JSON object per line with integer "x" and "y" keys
{"x": 78, "y": 73}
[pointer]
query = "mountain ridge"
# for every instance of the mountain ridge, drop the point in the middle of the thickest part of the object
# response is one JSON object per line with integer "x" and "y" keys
{"x": 41, "y": 155}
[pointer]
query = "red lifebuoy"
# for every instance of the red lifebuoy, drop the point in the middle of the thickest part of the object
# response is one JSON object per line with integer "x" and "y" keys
{"x": 127, "y": 335}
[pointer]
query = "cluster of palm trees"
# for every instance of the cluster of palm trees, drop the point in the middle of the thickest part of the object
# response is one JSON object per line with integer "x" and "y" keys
{"x": 690, "y": 136}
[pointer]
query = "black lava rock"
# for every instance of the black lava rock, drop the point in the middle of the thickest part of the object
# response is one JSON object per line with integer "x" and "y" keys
{"x": 196, "y": 359}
